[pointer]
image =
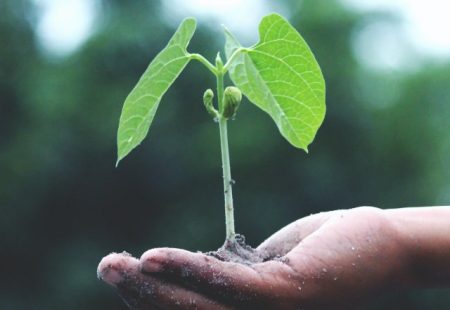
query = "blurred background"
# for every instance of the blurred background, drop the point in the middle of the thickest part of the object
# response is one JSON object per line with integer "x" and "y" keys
{"x": 66, "y": 67}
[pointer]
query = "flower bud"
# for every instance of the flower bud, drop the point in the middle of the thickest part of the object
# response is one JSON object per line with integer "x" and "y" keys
{"x": 208, "y": 102}
{"x": 231, "y": 99}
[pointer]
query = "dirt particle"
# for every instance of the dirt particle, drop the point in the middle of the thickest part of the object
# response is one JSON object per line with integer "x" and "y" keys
{"x": 237, "y": 251}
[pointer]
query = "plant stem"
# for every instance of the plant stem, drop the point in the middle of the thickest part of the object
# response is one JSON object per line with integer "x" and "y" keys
{"x": 205, "y": 62}
{"x": 227, "y": 181}
{"x": 232, "y": 58}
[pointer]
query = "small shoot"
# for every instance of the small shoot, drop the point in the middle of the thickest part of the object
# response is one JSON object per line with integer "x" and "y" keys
{"x": 279, "y": 75}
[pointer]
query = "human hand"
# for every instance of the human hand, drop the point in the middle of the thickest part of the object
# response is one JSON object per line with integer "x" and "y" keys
{"x": 331, "y": 260}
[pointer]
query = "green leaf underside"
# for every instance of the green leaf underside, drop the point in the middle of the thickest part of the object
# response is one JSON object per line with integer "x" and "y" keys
{"x": 281, "y": 76}
{"x": 141, "y": 104}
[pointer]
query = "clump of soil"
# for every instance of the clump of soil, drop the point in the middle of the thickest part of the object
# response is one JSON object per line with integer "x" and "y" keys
{"x": 237, "y": 251}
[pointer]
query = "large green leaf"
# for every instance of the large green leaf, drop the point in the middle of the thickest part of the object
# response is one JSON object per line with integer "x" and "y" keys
{"x": 281, "y": 76}
{"x": 141, "y": 104}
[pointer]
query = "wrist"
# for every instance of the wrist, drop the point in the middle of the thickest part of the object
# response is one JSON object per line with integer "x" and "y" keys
{"x": 424, "y": 236}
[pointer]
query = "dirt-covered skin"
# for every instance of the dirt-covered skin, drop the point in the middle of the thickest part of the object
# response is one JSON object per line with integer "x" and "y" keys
{"x": 334, "y": 260}
{"x": 237, "y": 251}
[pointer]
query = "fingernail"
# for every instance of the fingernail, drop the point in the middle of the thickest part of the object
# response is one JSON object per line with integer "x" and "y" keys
{"x": 108, "y": 269}
{"x": 110, "y": 276}
{"x": 151, "y": 266}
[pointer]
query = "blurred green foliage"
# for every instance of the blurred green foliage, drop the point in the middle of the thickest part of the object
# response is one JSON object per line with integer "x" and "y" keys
{"x": 385, "y": 142}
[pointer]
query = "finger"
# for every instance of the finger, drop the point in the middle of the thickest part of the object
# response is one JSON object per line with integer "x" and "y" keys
{"x": 140, "y": 291}
{"x": 232, "y": 283}
{"x": 284, "y": 240}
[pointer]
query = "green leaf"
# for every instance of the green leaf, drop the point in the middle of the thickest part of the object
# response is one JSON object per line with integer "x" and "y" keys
{"x": 281, "y": 76}
{"x": 141, "y": 104}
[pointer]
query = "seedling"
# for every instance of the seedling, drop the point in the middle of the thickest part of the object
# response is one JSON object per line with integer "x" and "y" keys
{"x": 279, "y": 75}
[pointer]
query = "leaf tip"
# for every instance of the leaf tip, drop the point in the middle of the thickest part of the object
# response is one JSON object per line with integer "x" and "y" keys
{"x": 119, "y": 158}
{"x": 273, "y": 15}
{"x": 121, "y": 154}
{"x": 226, "y": 30}
{"x": 190, "y": 20}
{"x": 302, "y": 146}
{"x": 189, "y": 23}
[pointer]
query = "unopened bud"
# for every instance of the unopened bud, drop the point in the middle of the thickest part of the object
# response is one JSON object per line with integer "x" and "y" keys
{"x": 219, "y": 62}
{"x": 231, "y": 99}
{"x": 208, "y": 97}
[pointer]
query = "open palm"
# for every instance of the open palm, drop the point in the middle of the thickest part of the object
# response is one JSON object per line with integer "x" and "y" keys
{"x": 328, "y": 260}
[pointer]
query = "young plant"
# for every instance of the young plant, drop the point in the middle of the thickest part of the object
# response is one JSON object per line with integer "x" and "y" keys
{"x": 279, "y": 75}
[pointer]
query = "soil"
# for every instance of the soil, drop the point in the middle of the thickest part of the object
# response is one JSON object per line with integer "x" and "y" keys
{"x": 237, "y": 251}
